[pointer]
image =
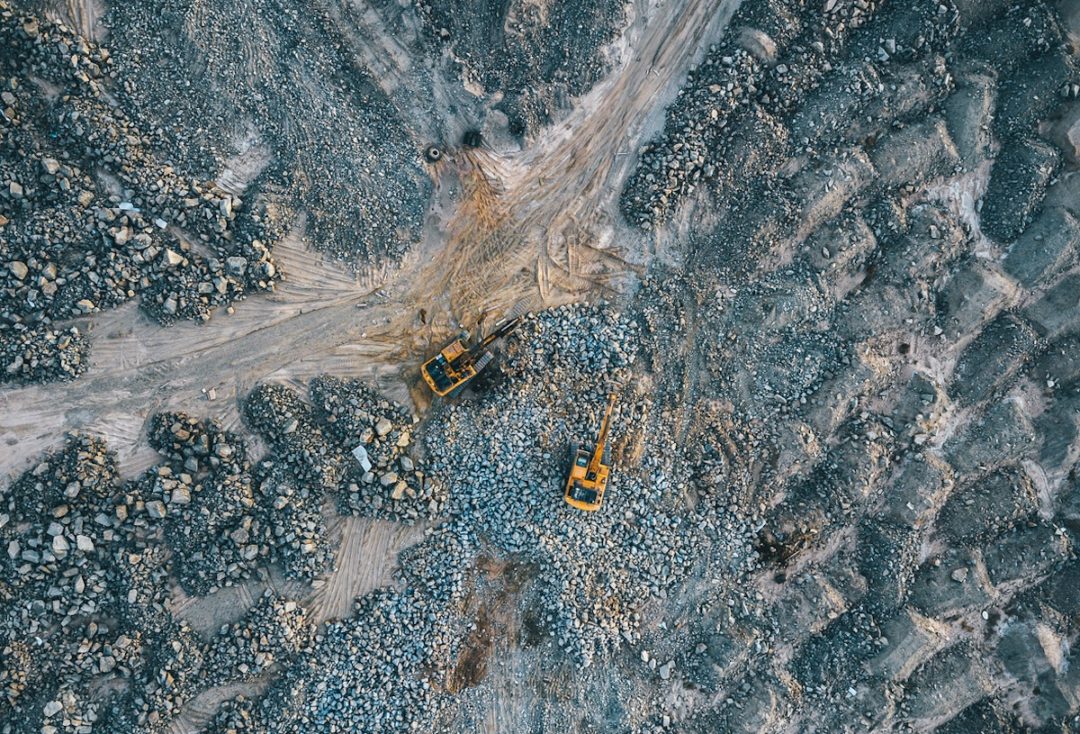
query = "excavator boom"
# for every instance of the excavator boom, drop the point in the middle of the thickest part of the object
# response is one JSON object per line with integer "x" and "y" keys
{"x": 601, "y": 441}
{"x": 500, "y": 331}
{"x": 587, "y": 476}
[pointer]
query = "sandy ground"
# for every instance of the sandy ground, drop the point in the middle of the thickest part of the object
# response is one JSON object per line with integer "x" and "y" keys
{"x": 85, "y": 16}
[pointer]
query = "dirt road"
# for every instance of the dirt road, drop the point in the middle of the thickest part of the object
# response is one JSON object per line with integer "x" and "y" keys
{"x": 558, "y": 226}
{"x": 550, "y": 234}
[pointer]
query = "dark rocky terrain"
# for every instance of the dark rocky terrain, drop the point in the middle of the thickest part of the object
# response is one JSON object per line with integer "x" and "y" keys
{"x": 844, "y": 337}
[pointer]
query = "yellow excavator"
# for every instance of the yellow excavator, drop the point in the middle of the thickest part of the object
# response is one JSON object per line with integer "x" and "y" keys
{"x": 451, "y": 369}
{"x": 588, "y": 475}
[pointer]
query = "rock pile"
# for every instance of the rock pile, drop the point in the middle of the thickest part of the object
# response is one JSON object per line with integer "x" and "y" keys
{"x": 91, "y": 218}
{"x": 844, "y": 494}
{"x": 319, "y": 131}
{"x": 236, "y": 716}
{"x": 535, "y": 58}
{"x": 87, "y": 568}
{"x": 383, "y": 669}
{"x": 273, "y": 631}
{"x": 223, "y": 518}
{"x": 860, "y": 273}
{"x": 325, "y": 445}
{"x": 502, "y": 453}
{"x": 790, "y": 78}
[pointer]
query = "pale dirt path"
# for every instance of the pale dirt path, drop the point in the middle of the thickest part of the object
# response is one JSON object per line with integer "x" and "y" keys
{"x": 558, "y": 234}
{"x": 367, "y": 557}
{"x": 139, "y": 368}
{"x": 84, "y": 16}
{"x": 366, "y": 560}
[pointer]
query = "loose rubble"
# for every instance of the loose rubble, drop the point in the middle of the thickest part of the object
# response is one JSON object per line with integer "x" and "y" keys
{"x": 317, "y": 445}
{"x": 90, "y": 217}
{"x": 844, "y": 492}
{"x": 320, "y": 132}
{"x": 86, "y": 605}
{"x": 593, "y": 571}
{"x": 534, "y": 59}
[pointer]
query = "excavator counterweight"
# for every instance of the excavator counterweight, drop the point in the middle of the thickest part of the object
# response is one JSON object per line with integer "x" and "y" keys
{"x": 456, "y": 364}
{"x": 588, "y": 475}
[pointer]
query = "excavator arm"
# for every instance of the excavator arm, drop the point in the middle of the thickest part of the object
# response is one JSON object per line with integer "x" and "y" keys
{"x": 449, "y": 370}
{"x": 601, "y": 441}
{"x": 500, "y": 331}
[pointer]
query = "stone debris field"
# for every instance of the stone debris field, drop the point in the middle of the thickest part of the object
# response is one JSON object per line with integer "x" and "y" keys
{"x": 824, "y": 255}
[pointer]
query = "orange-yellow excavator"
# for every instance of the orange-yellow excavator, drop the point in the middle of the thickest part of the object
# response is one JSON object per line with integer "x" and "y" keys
{"x": 588, "y": 475}
{"x": 448, "y": 371}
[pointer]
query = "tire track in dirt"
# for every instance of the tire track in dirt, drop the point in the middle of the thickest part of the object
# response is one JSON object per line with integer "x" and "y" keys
{"x": 198, "y": 712}
{"x": 140, "y": 368}
{"x": 320, "y": 312}
{"x": 367, "y": 557}
{"x": 82, "y": 15}
{"x": 558, "y": 198}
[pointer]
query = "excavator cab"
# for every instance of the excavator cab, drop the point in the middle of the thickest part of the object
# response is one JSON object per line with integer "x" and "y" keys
{"x": 456, "y": 364}
{"x": 589, "y": 470}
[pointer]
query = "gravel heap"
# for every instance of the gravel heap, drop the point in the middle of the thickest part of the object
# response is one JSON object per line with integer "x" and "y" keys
{"x": 383, "y": 669}
{"x": 87, "y": 578}
{"x": 503, "y": 453}
{"x": 316, "y": 443}
{"x": 535, "y": 57}
{"x": 91, "y": 218}
{"x": 63, "y": 582}
{"x": 236, "y": 716}
{"x": 844, "y": 495}
{"x": 506, "y": 458}
{"x": 787, "y": 77}
{"x": 673, "y": 166}
{"x": 884, "y": 383}
{"x": 292, "y": 523}
{"x": 223, "y": 518}
{"x": 282, "y": 90}
{"x": 274, "y": 630}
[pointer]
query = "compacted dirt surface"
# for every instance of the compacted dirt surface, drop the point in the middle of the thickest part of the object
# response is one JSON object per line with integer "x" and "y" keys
{"x": 825, "y": 254}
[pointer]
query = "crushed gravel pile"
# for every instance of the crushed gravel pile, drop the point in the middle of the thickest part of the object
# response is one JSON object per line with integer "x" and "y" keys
{"x": 282, "y": 96}
{"x": 844, "y": 490}
{"x": 273, "y": 631}
{"x": 352, "y": 442}
{"x": 91, "y": 217}
{"x": 791, "y": 78}
{"x": 502, "y": 454}
{"x": 223, "y": 517}
{"x": 384, "y": 668}
{"x": 88, "y": 641}
{"x": 534, "y": 56}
